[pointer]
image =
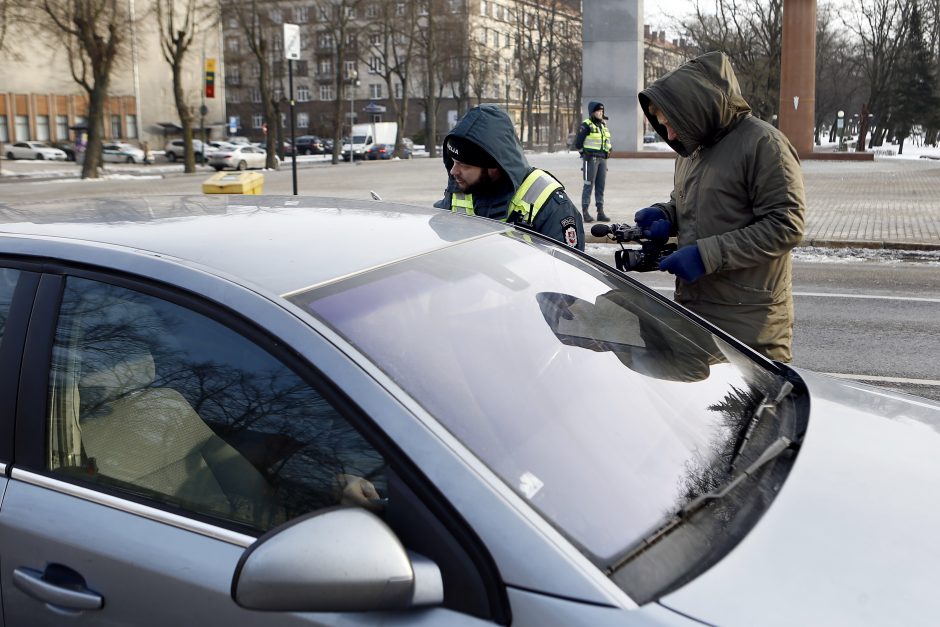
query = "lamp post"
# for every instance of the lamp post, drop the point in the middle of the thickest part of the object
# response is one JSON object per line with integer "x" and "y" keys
{"x": 840, "y": 126}
{"x": 353, "y": 83}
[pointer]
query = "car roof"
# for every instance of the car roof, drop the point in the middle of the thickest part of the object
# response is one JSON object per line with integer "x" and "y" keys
{"x": 278, "y": 243}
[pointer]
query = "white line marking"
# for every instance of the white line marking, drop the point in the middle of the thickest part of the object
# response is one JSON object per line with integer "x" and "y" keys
{"x": 865, "y": 377}
{"x": 833, "y": 295}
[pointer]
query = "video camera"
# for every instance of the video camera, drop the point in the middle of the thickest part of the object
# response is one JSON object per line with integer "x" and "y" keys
{"x": 647, "y": 258}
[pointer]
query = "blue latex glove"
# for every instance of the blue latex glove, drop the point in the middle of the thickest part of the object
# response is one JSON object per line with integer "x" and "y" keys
{"x": 685, "y": 263}
{"x": 644, "y": 218}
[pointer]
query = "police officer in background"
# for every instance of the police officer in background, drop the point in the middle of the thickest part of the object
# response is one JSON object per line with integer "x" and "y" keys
{"x": 593, "y": 142}
{"x": 490, "y": 177}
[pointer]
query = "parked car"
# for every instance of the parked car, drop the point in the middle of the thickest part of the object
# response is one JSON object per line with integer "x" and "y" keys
{"x": 120, "y": 152}
{"x": 309, "y": 145}
{"x": 34, "y": 150}
{"x": 176, "y": 149}
{"x": 240, "y": 157}
{"x": 226, "y": 402}
{"x": 221, "y": 145}
{"x": 651, "y": 138}
{"x": 67, "y": 147}
{"x": 386, "y": 151}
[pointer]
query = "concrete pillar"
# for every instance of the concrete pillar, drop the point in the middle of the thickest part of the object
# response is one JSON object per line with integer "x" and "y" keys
{"x": 798, "y": 74}
{"x": 612, "y": 63}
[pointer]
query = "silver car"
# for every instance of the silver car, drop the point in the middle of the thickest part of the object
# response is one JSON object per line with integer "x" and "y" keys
{"x": 120, "y": 152}
{"x": 240, "y": 157}
{"x": 227, "y": 410}
{"x": 34, "y": 150}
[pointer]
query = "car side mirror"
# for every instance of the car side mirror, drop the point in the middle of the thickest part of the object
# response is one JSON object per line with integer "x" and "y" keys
{"x": 335, "y": 560}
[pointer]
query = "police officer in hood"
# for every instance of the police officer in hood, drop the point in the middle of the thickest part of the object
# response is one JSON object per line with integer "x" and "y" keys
{"x": 488, "y": 176}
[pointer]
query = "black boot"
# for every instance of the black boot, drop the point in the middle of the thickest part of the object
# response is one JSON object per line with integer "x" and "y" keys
{"x": 601, "y": 216}
{"x": 587, "y": 216}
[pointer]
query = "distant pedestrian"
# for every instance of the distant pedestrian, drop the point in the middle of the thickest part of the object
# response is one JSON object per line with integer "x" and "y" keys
{"x": 146, "y": 148}
{"x": 593, "y": 142}
{"x": 489, "y": 176}
{"x": 736, "y": 206}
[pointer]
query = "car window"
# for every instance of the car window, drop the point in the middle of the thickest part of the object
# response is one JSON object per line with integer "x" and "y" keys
{"x": 162, "y": 402}
{"x": 8, "y": 278}
{"x": 598, "y": 403}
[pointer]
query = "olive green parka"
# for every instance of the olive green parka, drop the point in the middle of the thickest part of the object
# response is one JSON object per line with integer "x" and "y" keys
{"x": 738, "y": 196}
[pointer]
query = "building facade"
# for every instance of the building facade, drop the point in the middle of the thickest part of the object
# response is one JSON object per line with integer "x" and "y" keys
{"x": 39, "y": 100}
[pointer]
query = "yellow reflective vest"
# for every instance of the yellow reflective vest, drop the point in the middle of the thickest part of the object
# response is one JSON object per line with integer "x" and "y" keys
{"x": 529, "y": 198}
{"x": 598, "y": 140}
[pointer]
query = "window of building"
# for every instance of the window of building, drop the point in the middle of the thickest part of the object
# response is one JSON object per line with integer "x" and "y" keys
{"x": 131, "y": 122}
{"x": 301, "y": 68}
{"x": 257, "y": 120}
{"x": 233, "y": 95}
{"x": 276, "y": 15}
{"x": 327, "y": 93}
{"x": 398, "y": 90}
{"x": 325, "y": 67}
{"x": 324, "y": 40}
{"x": 255, "y": 94}
{"x": 350, "y": 69}
{"x": 303, "y": 93}
{"x": 375, "y": 64}
{"x": 400, "y": 9}
{"x": 233, "y": 22}
{"x": 372, "y": 11}
{"x": 22, "y": 128}
{"x": 375, "y": 90}
{"x": 301, "y": 14}
{"x": 375, "y": 39}
{"x": 115, "y": 126}
{"x": 303, "y": 120}
{"x": 169, "y": 405}
{"x": 350, "y": 12}
{"x": 61, "y": 126}
{"x": 496, "y": 39}
{"x": 234, "y": 76}
{"x": 42, "y": 128}
{"x": 233, "y": 44}
{"x": 323, "y": 11}
{"x": 483, "y": 7}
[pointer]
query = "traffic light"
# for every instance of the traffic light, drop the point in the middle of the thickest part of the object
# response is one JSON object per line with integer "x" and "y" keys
{"x": 210, "y": 78}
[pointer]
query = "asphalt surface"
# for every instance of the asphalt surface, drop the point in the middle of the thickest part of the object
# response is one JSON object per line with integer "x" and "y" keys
{"x": 887, "y": 203}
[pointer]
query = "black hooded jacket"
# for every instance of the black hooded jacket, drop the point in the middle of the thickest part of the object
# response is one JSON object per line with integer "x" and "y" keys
{"x": 489, "y": 127}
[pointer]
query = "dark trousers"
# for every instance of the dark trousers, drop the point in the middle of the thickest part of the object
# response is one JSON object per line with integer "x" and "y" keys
{"x": 594, "y": 171}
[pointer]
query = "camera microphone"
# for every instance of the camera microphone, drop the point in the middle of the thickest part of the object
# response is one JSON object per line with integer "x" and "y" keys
{"x": 600, "y": 230}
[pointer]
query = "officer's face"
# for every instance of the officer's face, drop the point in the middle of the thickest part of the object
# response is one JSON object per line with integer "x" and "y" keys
{"x": 470, "y": 177}
{"x": 670, "y": 132}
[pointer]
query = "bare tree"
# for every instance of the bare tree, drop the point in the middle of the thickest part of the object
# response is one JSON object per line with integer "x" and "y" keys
{"x": 530, "y": 58}
{"x": 179, "y": 23}
{"x": 260, "y": 22}
{"x": 441, "y": 24}
{"x": 393, "y": 41}
{"x": 93, "y": 34}
{"x": 750, "y": 33}
{"x": 880, "y": 27}
{"x": 337, "y": 31}
{"x": 838, "y": 83}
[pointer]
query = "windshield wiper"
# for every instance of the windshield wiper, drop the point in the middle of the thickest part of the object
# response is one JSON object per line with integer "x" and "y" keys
{"x": 765, "y": 404}
{"x": 777, "y": 448}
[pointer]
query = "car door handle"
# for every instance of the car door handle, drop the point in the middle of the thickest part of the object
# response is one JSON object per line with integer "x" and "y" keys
{"x": 59, "y": 586}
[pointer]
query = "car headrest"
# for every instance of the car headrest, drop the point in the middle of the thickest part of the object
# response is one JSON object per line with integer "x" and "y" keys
{"x": 133, "y": 373}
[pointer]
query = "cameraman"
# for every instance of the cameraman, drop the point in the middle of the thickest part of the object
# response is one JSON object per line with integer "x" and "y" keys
{"x": 736, "y": 207}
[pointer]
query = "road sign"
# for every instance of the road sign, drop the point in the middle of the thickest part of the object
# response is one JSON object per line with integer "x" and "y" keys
{"x": 291, "y": 41}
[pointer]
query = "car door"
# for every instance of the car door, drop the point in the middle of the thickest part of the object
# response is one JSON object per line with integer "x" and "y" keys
{"x": 156, "y": 439}
{"x": 111, "y": 153}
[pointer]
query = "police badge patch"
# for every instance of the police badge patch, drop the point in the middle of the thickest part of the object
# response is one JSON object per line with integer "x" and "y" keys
{"x": 569, "y": 227}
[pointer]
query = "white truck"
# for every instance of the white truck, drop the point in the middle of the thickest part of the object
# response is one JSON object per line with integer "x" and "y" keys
{"x": 364, "y": 136}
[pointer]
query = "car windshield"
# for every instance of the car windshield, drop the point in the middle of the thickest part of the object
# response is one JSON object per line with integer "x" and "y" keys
{"x": 604, "y": 406}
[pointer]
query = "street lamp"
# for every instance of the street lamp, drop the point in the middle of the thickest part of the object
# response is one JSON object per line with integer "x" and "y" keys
{"x": 840, "y": 126}
{"x": 353, "y": 78}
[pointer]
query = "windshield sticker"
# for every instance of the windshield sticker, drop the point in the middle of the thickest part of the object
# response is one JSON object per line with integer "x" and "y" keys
{"x": 530, "y": 485}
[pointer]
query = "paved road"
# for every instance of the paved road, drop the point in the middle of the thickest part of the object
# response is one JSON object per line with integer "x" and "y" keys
{"x": 888, "y": 202}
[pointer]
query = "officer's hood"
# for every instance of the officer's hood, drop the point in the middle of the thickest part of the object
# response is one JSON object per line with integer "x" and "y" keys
{"x": 489, "y": 127}
{"x": 701, "y": 99}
